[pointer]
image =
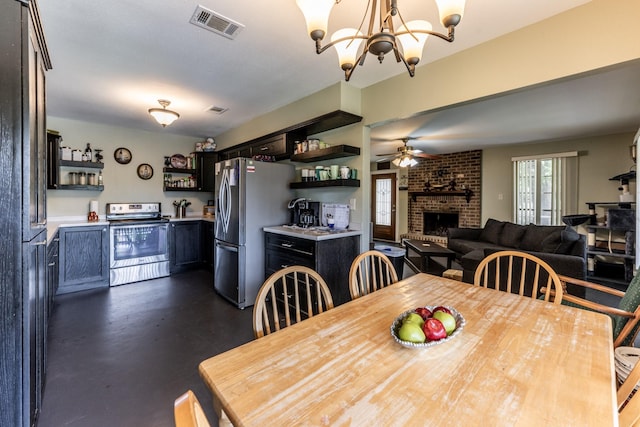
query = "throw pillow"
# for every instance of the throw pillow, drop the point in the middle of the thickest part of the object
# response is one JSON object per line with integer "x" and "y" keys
{"x": 491, "y": 231}
{"x": 568, "y": 237}
{"x": 534, "y": 236}
{"x": 552, "y": 242}
{"x": 511, "y": 234}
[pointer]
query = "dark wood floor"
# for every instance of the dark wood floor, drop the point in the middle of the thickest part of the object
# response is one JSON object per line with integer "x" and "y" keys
{"x": 120, "y": 356}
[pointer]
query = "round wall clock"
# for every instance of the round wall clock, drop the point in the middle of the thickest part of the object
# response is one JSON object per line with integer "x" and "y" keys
{"x": 145, "y": 171}
{"x": 122, "y": 155}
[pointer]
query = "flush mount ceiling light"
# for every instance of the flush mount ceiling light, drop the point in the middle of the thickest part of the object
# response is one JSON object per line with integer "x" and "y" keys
{"x": 162, "y": 115}
{"x": 382, "y": 37}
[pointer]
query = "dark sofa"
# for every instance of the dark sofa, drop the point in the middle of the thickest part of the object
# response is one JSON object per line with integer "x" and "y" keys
{"x": 561, "y": 247}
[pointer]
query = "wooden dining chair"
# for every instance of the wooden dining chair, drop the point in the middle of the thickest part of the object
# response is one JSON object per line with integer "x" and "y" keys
{"x": 370, "y": 271}
{"x": 625, "y": 317}
{"x": 187, "y": 411}
{"x": 629, "y": 400}
{"x": 305, "y": 292}
{"x": 520, "y": 273}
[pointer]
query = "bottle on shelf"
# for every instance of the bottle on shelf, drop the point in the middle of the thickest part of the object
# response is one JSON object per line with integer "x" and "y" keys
{"x": 100, "y": 178}
{"x": 89, "y": 153}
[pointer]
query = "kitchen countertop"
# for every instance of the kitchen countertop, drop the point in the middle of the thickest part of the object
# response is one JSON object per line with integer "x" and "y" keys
{"x": 53, "y": 224}
{"x": 312, "y": 233}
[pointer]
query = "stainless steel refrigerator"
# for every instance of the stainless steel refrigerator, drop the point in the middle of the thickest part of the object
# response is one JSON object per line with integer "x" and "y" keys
{"x": 249, "y": 195}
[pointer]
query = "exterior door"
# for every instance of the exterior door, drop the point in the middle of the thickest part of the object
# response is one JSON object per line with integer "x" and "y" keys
{"x": 383, "y": 206}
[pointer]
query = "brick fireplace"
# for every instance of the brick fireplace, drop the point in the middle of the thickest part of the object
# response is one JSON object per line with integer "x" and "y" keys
{"x": 465, "y": 169}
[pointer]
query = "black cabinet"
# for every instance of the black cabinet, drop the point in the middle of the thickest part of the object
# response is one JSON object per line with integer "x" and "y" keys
{"x": 83, "y": 258}
{"x": 208, "y": 242}
{"x": 331, "y": 258}
{"x": 52, "y": 273}
{"x": 185, "y": 246}
{"x": 23, "y": 214}
{"x": 205, "y": 167}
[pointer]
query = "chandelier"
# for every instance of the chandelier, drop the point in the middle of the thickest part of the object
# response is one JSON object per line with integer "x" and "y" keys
{"x": 162, "y": 115}
{"x": 406, "y": 42}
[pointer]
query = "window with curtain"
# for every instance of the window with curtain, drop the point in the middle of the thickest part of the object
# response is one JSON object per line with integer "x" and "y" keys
{"x": 545, "y": 188}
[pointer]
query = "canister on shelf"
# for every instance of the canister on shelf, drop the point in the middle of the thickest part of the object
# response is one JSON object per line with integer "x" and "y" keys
{"x": 82, "y": 178}
{"x": 91, "y": 179}
{"x": 73, "y": 178}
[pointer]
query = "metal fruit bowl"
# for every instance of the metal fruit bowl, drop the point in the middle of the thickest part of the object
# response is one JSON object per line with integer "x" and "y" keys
{"x": 460, "y": 322}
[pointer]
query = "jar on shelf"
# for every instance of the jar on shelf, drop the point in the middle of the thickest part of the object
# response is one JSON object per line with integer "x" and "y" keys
{"x": 91, "y": 179}
{"x": 73, "y": 178}
{"x": 82, "y": 178}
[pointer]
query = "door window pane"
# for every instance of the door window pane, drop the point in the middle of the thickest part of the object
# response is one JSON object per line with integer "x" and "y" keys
{"x": 383, "y": 201}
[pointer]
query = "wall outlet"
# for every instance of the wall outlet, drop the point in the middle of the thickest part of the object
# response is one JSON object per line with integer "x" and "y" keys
{"x": 352, "y": 204}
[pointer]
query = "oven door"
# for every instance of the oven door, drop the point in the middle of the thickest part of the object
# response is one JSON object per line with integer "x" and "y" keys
{"x": 135, "y": 244}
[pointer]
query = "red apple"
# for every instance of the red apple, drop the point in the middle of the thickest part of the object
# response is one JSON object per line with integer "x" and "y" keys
{"x": 434, "y": 330}
{"x": 442, "y": 308}
{"x": 424, "y": 312}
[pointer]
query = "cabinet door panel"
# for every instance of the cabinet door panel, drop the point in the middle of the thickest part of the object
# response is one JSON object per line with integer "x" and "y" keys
{"x": 185, "y": 247}
{"x": 83, "y": 258}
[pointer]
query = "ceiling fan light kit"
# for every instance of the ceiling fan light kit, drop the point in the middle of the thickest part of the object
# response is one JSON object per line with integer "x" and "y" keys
{"x": 406, "y": 43}
{"x": 162, "y": 115}
{"x": 405, "y": 155}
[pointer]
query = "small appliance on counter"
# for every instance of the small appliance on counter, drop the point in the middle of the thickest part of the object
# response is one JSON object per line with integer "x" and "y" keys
{"x": 304, "y": 213}
{"x": 209, "y": 210}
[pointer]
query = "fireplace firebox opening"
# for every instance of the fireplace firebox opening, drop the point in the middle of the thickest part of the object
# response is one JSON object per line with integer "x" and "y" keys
{"x": 438, "y": 223}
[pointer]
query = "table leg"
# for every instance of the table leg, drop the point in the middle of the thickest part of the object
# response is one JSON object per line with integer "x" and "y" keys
{"x": 223, "y": 420}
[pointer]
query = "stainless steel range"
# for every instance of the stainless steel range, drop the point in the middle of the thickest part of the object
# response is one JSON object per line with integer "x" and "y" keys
{"x": 139, "y": 237}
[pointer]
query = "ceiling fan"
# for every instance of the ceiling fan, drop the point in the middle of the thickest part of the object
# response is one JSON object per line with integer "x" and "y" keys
{"x": 405, "y": 155}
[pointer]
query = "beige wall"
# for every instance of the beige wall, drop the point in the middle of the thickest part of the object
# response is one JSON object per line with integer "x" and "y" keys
{"x": 566, "y": 45}
{"x": 580, "y": 40}
{"x": 121, "y": 182}
{"x": 600, "y": 158}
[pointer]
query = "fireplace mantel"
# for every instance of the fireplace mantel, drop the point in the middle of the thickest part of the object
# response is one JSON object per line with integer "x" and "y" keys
{"x": 465, "y": 193}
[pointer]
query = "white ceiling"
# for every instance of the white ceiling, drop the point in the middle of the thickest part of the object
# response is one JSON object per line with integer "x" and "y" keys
{"x": 112, "y": 60}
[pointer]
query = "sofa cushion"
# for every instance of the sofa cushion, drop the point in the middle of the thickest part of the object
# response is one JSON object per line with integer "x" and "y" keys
{"x": 535, "y": 235}
{"x": 491, "y": 231}
{"x": 511, "y": 234}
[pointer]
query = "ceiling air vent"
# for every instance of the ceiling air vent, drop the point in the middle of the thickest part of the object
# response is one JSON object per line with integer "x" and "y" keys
{"x": 217, "y": 110}
{"x": 212, "y": 21}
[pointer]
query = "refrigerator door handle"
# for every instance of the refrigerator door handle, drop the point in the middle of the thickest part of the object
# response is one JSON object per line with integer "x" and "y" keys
{"x": 225, "y": 200}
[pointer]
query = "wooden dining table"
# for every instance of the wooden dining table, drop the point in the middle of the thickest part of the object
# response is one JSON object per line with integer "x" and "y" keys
{"x": 517, "y": 362}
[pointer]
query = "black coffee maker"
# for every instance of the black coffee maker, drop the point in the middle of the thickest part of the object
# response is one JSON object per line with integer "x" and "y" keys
{"x": 304, "y": 213}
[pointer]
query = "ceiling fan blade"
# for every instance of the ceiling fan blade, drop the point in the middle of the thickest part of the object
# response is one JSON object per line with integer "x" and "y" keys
{"x": 426, "y": 156}
{"x": 389, "y": 154}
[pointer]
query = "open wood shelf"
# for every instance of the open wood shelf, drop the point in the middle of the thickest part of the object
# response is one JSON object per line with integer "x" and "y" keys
{"x": 327, "y": 183}
{"x": 334, "y": 152}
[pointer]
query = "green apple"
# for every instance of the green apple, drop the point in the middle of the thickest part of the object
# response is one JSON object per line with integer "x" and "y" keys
{"x": 411, "y": 332}
{"x": 447, "y": 320}
{"x": 413, "y": 318}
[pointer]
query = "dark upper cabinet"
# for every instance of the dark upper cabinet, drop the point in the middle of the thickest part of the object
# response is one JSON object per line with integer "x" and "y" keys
{"x": 205, "y": 170}
{"x": 279, "y": 144}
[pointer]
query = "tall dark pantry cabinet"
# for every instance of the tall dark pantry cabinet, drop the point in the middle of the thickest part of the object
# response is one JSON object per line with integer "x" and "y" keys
{"x": 22, "y": 212}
